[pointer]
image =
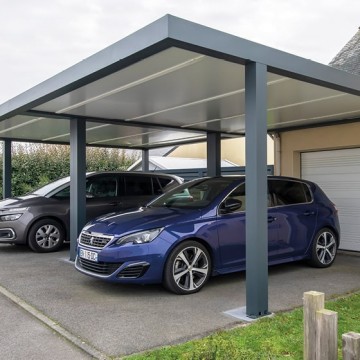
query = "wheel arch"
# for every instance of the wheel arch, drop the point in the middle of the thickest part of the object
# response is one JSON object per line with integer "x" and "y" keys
{"x": 333, "y": 229}
{"x": 196, "y": 239}
{"x": 337, "y": 234}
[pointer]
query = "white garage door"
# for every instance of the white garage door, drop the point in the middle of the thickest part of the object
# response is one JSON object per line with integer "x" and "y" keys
{"x": 338, "y": 174}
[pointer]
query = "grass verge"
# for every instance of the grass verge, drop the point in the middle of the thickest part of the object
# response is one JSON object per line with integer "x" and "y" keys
{"x": 279, "y": 337}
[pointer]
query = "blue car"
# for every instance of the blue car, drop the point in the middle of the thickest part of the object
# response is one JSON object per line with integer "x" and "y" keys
{"x": 198, "y": 229}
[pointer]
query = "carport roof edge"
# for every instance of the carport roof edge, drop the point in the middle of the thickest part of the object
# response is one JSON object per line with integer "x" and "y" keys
{"x": 167, "y": 32}
{"x": 172, "y": 31}
{"x": 116, "y": 56}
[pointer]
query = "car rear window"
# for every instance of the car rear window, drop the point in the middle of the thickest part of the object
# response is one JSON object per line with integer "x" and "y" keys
{"x": 162, "y": 184}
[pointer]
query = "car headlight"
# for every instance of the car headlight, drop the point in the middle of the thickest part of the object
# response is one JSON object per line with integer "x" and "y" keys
{"x": 12, "y": 214}
{"x": 142, "y": 237}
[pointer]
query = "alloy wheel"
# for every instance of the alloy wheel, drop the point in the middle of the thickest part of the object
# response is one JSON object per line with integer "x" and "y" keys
{"x": 190, "y": 268}
{"x": 326, "y": 247}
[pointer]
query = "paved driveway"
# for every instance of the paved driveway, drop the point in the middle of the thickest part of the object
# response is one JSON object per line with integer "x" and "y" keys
{"x": 113, "y": 320}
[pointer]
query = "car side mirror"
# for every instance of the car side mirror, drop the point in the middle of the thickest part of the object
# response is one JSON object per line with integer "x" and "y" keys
{"x": 230, "y": 205}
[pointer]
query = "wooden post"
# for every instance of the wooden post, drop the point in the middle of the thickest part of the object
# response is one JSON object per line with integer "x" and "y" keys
{"x": 351, "y": 346}
{"x": 313, "y": 302}
{"x": 326, "y": 335}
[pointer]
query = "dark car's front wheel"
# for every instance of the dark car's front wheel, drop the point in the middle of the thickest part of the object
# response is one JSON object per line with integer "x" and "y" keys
{"x": 46, "y": 235}
{"x": 188, "y": 268}
{"x": 324, "y": 248}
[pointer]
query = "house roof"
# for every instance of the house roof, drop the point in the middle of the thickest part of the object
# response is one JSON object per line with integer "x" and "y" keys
{"x": 163, "y": 151}
{"x": 348, "y": 58}
{"x": 170, "y": 162}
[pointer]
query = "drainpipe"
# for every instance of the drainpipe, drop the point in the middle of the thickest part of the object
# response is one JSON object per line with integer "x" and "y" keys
{"x": 277, "y": 153}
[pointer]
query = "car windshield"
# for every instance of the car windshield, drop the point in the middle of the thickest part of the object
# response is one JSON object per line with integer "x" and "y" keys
{"x": 195, "y": 194}
{"x": 46, "y": 189}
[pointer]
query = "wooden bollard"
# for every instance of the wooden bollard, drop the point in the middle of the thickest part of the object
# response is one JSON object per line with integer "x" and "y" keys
{"x": 351, "y": 346}
{"x": 313, "y": 302}
{"x": 326, "y": 335}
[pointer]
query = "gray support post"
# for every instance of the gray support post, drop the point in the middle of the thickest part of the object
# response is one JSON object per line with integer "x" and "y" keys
{"x": 213, "y": 154}
{"x": 77, "y": 181}
{"x": 145, "y": 160}
{"x": 7, "y": 169}
{"x": 256, "y": 190}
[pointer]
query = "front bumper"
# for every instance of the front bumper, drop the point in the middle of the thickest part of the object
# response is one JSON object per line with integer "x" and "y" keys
{"x": 142, "y": 263}
{"x": 7, "y": 235}
{"x": 112, "y": 271}
{"x": 14, "y": 232}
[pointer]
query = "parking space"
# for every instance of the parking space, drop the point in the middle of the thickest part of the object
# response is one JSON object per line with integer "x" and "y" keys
{"x": 118, "y": 319}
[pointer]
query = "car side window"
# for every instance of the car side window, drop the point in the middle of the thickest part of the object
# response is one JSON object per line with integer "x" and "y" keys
{"x": 138, "y": 185}
{"x": 239, "y": 194}
{"x": 166, "y": 183}
{"x": 287, "y": 192}
{"x": 100, "y": 187}
{"x": 235, "y": 201}
{"x": 63, "y": 194}
{"x": 157, "y": 186}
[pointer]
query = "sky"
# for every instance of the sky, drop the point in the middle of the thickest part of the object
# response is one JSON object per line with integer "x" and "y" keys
{"x": 40, "y": 38}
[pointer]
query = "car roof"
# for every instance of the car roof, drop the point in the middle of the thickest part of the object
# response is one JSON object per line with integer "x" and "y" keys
{"x": 124, "y": 172}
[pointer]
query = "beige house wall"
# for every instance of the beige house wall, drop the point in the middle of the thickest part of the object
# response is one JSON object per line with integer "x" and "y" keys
{"x": 231, "y": 149}
{"x": 293, "y": 143}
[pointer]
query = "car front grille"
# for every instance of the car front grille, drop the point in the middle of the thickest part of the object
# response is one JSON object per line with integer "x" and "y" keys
{"x": 98, "y": 267}
{"x": 95, "y": 240}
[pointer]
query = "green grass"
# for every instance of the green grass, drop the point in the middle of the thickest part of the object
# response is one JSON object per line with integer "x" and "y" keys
{"x": 278, "y": 337}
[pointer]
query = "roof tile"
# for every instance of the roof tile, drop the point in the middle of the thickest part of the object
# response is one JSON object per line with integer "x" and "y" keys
{"x": 348, "y": 58}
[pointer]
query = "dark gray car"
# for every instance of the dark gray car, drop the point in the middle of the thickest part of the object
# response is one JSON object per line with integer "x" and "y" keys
{"x": 41, "y": 219}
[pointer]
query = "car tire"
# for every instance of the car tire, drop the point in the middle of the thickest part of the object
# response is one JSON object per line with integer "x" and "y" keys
{"x": 46, "y": 235}
{"x": 324, "y": 248}
{"x": 187, "y": 268}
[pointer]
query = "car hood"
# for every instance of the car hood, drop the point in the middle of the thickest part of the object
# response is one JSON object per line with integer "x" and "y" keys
{"x": 140, "y": 219}
{"x": 22, "y": 201}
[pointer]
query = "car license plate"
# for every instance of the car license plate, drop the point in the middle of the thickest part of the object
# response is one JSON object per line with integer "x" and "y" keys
{"x": 88, "y": 255}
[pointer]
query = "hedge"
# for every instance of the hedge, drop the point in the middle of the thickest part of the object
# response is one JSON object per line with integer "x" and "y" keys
{"x": 34, "y": 165}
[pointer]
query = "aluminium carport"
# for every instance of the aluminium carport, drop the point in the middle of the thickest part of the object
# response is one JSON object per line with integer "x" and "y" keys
{"x": 176, "y": 82}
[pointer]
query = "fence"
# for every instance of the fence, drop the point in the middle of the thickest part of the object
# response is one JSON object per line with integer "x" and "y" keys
{"x": 320, "y": 332}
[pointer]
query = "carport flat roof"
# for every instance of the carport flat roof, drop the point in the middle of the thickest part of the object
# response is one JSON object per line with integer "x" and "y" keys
{"x": 172, "y": 82}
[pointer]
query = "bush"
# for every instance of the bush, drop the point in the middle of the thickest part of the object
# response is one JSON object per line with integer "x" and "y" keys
{"x": 34, "y": 165}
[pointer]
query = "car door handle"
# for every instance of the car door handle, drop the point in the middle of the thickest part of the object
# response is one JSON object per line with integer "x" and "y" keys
{"x": 308, "y": 213}
{"x": 271, "y": 219}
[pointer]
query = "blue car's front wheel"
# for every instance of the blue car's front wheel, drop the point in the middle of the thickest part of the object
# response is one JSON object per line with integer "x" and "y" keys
{"x": 188, "y": 268}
